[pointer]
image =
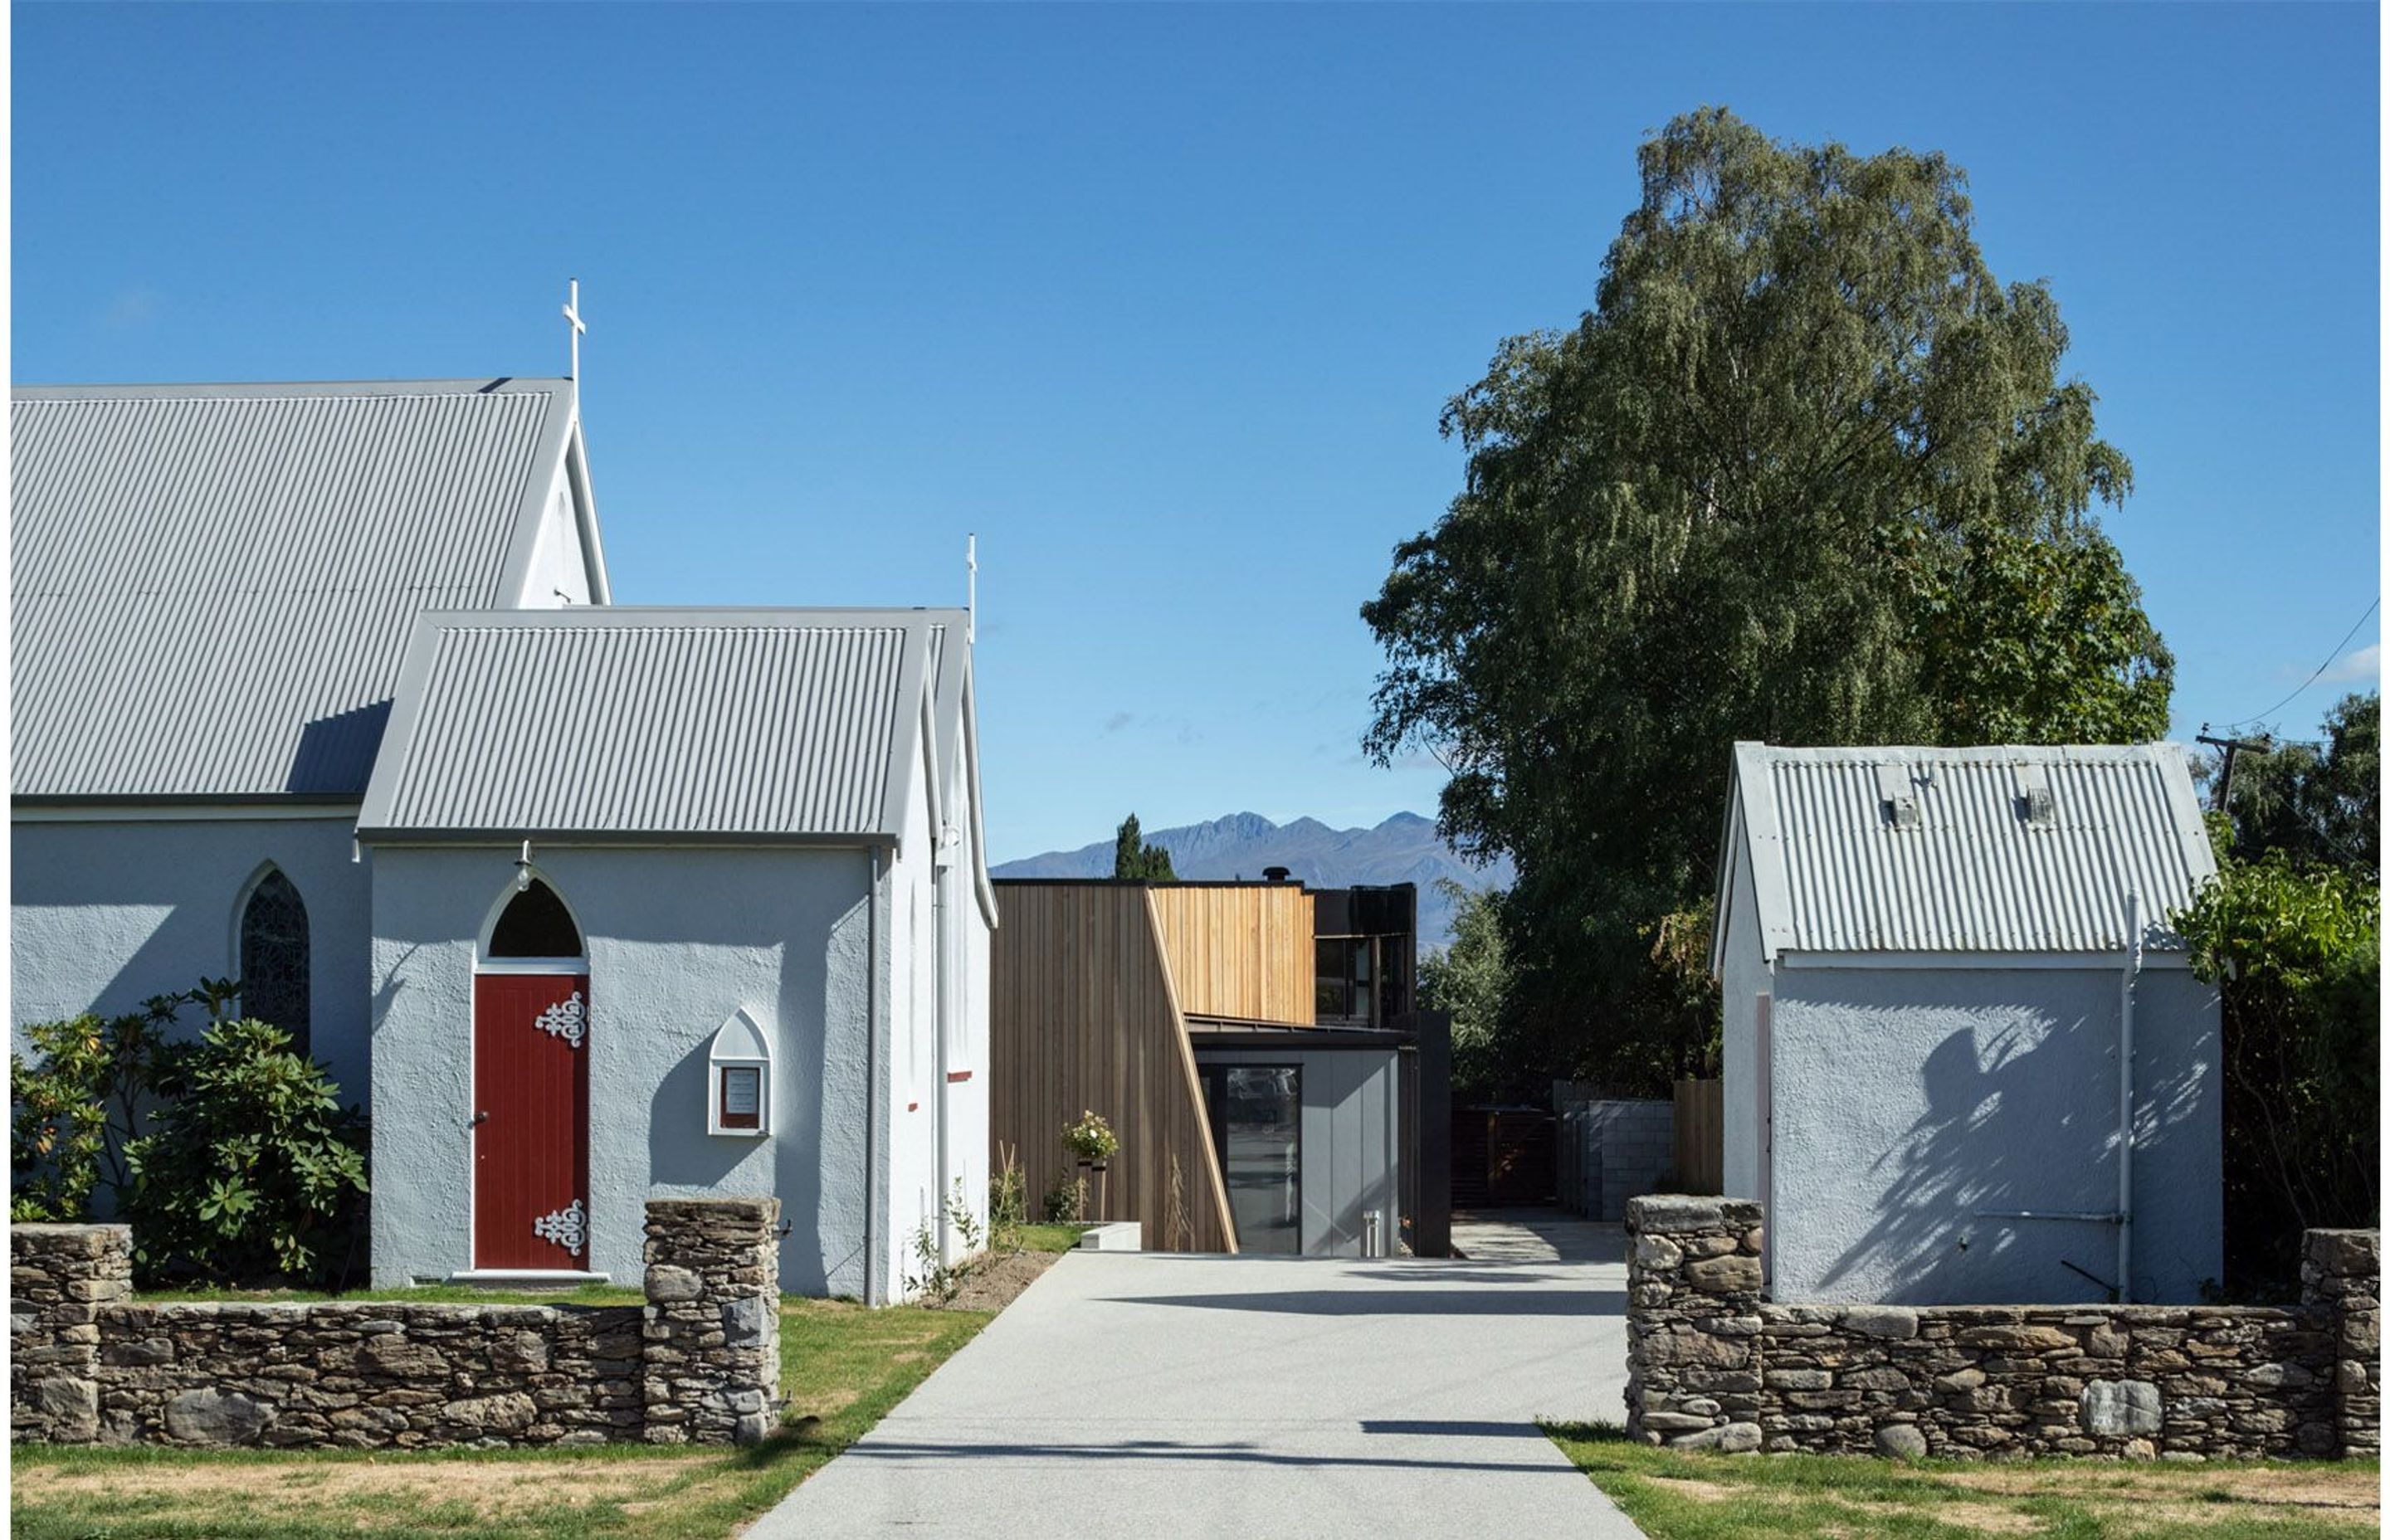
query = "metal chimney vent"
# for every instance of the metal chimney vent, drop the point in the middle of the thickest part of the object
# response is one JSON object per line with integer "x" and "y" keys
{"x": 2034, "y": 802}
{"x": 1896, "y": 795}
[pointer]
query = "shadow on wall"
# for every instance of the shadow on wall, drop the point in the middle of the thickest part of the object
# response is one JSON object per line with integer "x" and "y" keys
{"x": 681, "y": 1153}
{"x": 2019, "y": 1116}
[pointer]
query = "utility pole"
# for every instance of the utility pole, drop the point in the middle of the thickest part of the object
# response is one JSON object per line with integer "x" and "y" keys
{"x": 2231, "y": 746}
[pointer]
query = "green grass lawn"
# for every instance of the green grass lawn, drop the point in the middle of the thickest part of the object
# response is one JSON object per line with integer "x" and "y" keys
{"x": 841, "y": 1368}
{"x": 1690, "y": 1495}
{"x": 1041, "y": 1237}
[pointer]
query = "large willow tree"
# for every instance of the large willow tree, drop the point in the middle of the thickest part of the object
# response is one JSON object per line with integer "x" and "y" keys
{"x": 1808, "y": 472}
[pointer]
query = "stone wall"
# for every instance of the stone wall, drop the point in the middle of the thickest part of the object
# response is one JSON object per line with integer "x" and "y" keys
{"x": 1711, "y": 1366}
{"x": 698, "y": 1364}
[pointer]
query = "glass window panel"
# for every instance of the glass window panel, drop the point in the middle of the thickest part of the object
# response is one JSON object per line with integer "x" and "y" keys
{"x": 1333, "y": 995}
{"x": 1259, "y": 1124}
{"x": 274, "y": 968}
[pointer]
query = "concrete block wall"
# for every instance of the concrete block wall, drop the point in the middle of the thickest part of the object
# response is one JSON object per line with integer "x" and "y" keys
{"x": 699, "y": 1362}
{"x": 1611, "y": 1151}
{"x": 1710, "y": 1365}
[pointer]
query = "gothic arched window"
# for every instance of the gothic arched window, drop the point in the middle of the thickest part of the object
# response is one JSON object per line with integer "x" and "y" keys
{"x": 273, "y": 972}
{"x": 535, "y": 924}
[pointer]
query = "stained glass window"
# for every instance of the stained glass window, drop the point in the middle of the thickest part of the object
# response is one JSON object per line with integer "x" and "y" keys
{"x": 274, "y": 983}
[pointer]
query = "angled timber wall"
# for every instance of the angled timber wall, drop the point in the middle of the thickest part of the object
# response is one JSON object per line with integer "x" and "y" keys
{"x": 1244, "y": 952}
{"x": 1081, "y": 1016}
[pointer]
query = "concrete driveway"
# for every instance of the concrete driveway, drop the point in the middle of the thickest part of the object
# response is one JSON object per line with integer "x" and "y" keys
{"x": 1147, "y": 1394}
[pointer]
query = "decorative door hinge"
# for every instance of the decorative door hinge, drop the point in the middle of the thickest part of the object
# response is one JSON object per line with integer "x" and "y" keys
{"x": 567, "y": 1019}
{"x": 567, "y": 1226}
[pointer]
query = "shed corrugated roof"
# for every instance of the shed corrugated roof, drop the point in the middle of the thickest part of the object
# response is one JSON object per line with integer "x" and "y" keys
{"x": 213, "y": 583}
{"x": 1965, "y": 870}
{"x": 665, "y": 723}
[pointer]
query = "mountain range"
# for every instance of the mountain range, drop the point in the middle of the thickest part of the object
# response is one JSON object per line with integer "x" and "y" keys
{"x": 1402, "y": 849}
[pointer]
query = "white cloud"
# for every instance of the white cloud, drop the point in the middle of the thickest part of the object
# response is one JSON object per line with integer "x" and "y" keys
{"x": 2362, "y": 666}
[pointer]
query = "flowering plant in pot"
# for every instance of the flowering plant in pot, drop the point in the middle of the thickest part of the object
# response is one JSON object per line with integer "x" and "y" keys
{"x": 1092, "y": 1140}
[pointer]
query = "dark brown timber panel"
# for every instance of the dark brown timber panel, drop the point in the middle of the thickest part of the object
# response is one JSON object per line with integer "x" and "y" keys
{"x": 1082, "y": 1017}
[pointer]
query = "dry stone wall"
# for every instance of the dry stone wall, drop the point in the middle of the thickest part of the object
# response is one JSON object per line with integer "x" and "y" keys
{"x": 1711, "y": 1365}
{"x": 91, "y": 1366}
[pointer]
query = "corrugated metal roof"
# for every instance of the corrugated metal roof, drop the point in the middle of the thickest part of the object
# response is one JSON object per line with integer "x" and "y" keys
{"x": 668, "y": 724}
{"x": 213, "y": 583}
{"x": 1839, "y": 865}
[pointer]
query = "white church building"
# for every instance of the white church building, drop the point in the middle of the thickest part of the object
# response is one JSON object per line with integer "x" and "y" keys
{"x": 321, "y": 687}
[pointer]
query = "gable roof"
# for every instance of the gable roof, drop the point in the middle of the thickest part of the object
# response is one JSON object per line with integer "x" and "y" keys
{"x": 213, "y": 583}
{"x": 1961, "y": 867}
{"x": 677, "y": 726}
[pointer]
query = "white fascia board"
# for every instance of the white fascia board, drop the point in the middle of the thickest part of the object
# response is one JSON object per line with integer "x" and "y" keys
{"x": 2078, "y": 962}
{"x": 262, "y": 811}
{"x": 1755, "y": 790}
{"x": 980, "y": 880}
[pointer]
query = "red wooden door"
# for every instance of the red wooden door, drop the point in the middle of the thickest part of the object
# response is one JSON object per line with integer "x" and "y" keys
{"x": 530, "y": 1127}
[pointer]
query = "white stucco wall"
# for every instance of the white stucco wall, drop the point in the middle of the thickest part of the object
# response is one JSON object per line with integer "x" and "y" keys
{"x": 1351, "y": 1131}
{"x": 677, "y": 940}
{"x": 104, "y": 915}
{"x": 1910, "y": 1100}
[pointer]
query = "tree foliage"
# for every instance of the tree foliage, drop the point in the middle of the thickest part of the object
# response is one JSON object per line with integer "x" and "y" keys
{"x": 1469, "y": 981}
{"x": 1135, "y": 861}
{"x": 2318, "y": 803}
{"x": 1807, "y": 473}
{"x": 2297, "y": 949}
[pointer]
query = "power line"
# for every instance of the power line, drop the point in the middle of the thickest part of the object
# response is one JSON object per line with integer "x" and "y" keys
{"x": 2331, "y": 659}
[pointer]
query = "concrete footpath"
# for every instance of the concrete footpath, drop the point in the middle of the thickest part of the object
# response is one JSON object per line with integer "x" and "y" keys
{"x": 1145, "y": 1395}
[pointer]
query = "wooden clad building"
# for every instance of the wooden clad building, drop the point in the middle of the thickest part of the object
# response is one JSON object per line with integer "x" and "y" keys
{"x": 1189, "y": 1015}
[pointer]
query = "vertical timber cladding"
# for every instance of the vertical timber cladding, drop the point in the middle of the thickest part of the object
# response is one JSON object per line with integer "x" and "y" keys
{"x": 1082, "y": 1016}
{"x": 530, "y": 1121}
{"x": 1242, "y": 951}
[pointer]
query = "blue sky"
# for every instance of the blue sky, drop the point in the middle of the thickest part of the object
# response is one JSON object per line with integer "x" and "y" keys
{"x": 1164, "y": 302}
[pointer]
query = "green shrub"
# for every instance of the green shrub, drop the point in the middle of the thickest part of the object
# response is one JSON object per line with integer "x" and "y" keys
{"x": 252, "y": 1170}
{"x": 230, "y": 1156}
{"x": 2297, "y": 949}
{"x": 77, "y": 1106}
{"x": 1066, "y": 1199}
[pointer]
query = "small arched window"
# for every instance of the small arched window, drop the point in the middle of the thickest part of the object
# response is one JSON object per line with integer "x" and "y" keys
{"x": 274, "y": 972}
{"x": 535, "y": 924}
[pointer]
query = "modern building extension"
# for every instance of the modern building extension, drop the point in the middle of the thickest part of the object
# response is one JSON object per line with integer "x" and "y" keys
{"x": 1254, "y": 1045}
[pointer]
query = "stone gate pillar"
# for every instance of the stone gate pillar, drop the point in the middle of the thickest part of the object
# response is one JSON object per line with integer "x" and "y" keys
{"x": 2340, "y": 1273}
{"x": 60, "y": 1277}
{"x": 1692, "y": 1322}
{"x": 710, "y": 1357}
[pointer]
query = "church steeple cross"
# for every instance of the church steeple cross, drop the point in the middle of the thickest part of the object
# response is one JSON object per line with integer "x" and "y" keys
{"x": 572, "y": 315}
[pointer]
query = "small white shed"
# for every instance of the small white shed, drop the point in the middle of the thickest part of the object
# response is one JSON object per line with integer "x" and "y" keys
{"x": 1934, "y": 963}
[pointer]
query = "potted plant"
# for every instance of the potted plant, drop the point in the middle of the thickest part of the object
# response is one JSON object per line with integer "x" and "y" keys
{"x": 1093, "y": 1143}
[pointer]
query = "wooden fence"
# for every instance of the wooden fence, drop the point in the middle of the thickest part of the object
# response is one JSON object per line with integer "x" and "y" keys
{"x": 1701, "y": 1136}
